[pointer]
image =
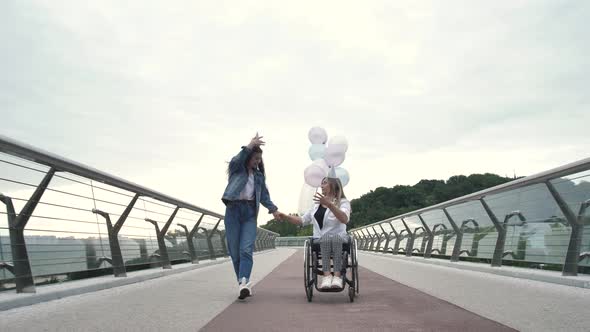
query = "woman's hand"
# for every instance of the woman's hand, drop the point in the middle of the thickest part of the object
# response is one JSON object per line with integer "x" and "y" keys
{"x": 256, "y": 141}
{"x": 281, "y": 216}
{"x": 278, "y": 215}
{"x": 323, "y": 200}
{"x": 292, "y": 219}
{"x": 341, "y": 216}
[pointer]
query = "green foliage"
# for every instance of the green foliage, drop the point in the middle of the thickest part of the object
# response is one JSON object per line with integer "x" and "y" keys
{"x": 383, "y": 203}
{"x": 305, "y": 231}
{"x": 284, "y": 228}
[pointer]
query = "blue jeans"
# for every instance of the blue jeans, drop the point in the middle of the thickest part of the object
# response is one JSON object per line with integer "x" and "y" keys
{"x": 240, "y": 233}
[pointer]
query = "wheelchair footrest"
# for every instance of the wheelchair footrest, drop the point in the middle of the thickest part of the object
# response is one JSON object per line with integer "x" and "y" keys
{"x": 330, "y": 290}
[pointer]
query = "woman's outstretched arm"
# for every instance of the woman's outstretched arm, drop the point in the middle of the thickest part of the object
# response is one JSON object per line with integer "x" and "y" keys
{"x": 292, "y": 219}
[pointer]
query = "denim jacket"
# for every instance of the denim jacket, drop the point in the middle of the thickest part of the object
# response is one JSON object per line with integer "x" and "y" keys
{"x": 238, "y": 176}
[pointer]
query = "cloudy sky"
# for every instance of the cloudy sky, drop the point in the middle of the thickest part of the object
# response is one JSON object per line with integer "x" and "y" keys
{"x": 164, "y": 93}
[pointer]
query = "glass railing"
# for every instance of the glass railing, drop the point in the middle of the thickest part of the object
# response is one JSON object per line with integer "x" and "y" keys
{"x": 540, "y": 221}
{"x": 290, "y": 241}
{"x": 61, "y": 220}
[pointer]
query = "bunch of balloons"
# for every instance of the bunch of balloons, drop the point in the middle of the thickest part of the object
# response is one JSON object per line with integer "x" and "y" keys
{"x": 324, "y": 158}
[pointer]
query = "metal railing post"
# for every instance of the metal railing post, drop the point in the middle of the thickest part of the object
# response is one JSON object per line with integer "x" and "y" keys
{"x": 116, "y": 258}
{"x": 385, "y": 237}
{"x": 459, "y": 241}
{"x": 189, "y": 239}
{"x": 164, "y": 258}
{"x": 366, "y": 238}
{"x": 361, "y": 238}
{"x": 388, "y": 240}
{"x": 21, "y": 268}
{"x": 222, "y": 239}
{"x": 395, "y": 236}
{"x": 458, "y": 236}
{"x": 398, "y": 239}
{"x": 423, "y": 244}
{"x": 501, "y": 229}
{"x": 499, "y": 249}
{"x": 262, "y": 240}
{"x": 572, "y": 257}
{"x": 376, "y": 241}
{"x": 410, "y": 242}
{"x": 373, "y": 241}
{"x": 209, "y": 242}
{"x": 429, "y": 240}
{"x": 443, "y": 232}
{"x": 257, "y": 243}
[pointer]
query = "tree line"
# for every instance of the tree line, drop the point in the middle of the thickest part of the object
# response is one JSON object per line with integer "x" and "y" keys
{"x": 383, "y": 203}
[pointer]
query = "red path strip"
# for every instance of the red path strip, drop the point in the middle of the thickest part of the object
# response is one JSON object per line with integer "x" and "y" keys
{"x": 279, "y": 304}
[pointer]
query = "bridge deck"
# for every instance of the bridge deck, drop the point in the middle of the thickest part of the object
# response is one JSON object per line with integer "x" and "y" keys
{"x": 205, "y": 298}
{"x": 279, "y": 304}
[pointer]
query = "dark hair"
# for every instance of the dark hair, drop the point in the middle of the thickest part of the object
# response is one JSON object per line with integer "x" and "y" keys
{"x": 255, "y": 150}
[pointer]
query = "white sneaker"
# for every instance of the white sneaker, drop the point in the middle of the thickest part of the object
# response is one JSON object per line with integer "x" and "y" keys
{"x": 245, "y": 289}
{"x": 326, "y": 282}
{"x": 336, "y": 282}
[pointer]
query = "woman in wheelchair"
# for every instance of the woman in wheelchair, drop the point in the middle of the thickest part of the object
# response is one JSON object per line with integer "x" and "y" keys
{"x": 329, "y": 217}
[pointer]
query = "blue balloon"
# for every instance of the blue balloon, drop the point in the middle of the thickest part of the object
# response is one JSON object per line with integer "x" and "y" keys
{"x": 343, "y": 175}
{"x": 317, "y": 151}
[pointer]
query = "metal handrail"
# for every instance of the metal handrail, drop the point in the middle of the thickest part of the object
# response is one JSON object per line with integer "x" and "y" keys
{"x": 542, "y": 177}
{"x": 574, "y": 220}
{"x": 21, "y": 267}
{"x": 25, "y": 151}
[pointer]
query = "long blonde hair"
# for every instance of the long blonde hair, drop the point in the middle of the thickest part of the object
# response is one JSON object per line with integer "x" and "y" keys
{"x": 336, "y": 189}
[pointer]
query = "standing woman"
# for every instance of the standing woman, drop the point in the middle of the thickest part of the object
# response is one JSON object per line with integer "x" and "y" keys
{"x": 329, "y": 217}
{"x": 245, "y": 191}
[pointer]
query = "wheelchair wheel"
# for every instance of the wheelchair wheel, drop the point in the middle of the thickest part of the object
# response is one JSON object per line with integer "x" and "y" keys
{"x": 307, "y": 271}
{"x": 354, "y": 265}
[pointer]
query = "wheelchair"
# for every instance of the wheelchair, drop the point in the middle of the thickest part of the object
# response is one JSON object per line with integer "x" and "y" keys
{"x": 313, "y": 268}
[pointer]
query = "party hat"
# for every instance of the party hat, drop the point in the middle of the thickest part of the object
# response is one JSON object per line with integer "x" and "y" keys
{"x": 332, "y": 173}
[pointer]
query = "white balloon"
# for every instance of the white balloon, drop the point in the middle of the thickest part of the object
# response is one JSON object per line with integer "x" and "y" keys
{"x": 315, "y": 173}
{"x": 317, "y": 135}
{"x": 306, "y": 198}
{"x": 317, "y": 151}
{"x": 343, "y": 175}
{"x": 322, "y": 163}
{"x": 335, "y": 155}
{"x": 340, "y": 141}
